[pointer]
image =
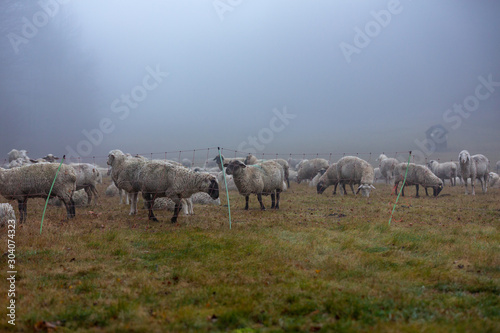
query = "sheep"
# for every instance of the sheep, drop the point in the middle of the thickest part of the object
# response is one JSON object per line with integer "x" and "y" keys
{"x": 328, "y": 178}
{"x": 387, "y": 165}
{"x": 125, "y": 174}
{"x": 261, "y": 179}
{"x": 250, "y": 159}
{"x": 80, "y": 198}
{"x": 47, "y": 159}
{"x": 35, "y": 181}
{"x": 160, "y": 179}
{"x": 310, "y": 168}
{"x": 87, "y": 178}
{"x": 446, "y": 170}
{"x": 15, "y": 154}
{"x": 315, "y": 180}
{"x": 6, "y": 214}
{"x": 498, "y": 167}
{"x": 378, "y": 176}
{"x": 473, "y": 167}
{"x": 494, "y": 179}
{"x": 293, "y": 162}
{"x": 353, "y": 170}
{"x": 418, "y": 175}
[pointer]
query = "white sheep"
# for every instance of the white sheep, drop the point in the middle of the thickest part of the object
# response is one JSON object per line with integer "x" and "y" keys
{"x": 250, "y": 159}
{"x": 15, "y": 154}
{"x": 310, "y": 168}
{"x": 378, "y": 178}
{"x": 80, "y": 198}
{"x": 354, "y": 170}
{"x": 446, "y": 170}
{"x": 387, "y": 165}
{"x": 328, "y": 178}
{"x": 417, "y": 175}
{"x": 6, "y": 214}
{"x": 473, "y": 167}
{"x": 87, "y": 178}
{"x": 160, "y": 179}
{"x": 125, "y": 174}
{"x": 266, "y": 178}
{"x": 494, "y": 180}
{"x": 35, "y": 181}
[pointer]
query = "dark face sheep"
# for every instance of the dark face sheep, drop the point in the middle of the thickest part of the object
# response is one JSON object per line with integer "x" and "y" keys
{"x": 437, "y": 189}
{"x": 213, "y": 190}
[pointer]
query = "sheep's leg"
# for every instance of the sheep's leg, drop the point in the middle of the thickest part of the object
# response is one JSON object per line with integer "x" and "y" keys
{"x": 88, "y": 190}
{"x": 149, "y": 199}
{"x": 23, "y": 211}
{"x": 335, "y": 189}
{"x": 426, "y": 193}
{"x": 259, "y": 197}
{"x": 133, "y": 203}
{"x": 472, "y": 184}
{"x": 403, "y": 190}
{"x": 344, "y": 191}
{"x": 273, "y": 201}
{"x": 352, "y": 189}
{"x": 120, "y": 193}
{"x": 95, "y": 193}
{"x": 278, "y": 192}
{"x": 465, "y": 183}
{"x": 417, "y": 191}
{"x": 70, "y": 207}
{"x": 177, "y": 209}
{"x": 288, "y": 182}
{"x": 246, "y": 201}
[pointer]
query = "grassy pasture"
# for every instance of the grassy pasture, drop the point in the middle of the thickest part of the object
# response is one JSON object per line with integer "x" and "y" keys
{"x": 320, "y": 263}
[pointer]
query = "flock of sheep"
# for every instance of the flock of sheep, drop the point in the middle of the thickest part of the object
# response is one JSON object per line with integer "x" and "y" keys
{"x": 165, "y": 183}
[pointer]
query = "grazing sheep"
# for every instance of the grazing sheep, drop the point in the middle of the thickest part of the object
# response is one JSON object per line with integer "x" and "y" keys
{"x": 387, "y": 165}
{"x": 310, "y": 168}
{"x": 418, "y": 175}
{"x": 328, "y": 178}
{"x": 87, "y": 178}
{"x": 446, "y": 170}
{"x": 473, "y": 167}
{"x": 266, "y": 178}
{"x": 315, "y": 180}
{"x": 125, "y": 174}
{"x": 160, "y": 179}
{"x": 494, "y": 179}
{"x": 35, "y": 181}
{"x": 6, "y": 213}
{"x": 353, "y": 170}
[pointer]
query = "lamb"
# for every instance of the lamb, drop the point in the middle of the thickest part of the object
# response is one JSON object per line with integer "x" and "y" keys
{"x": 387, "y": 165}
{"x": 328, "y": 178}
{"x": 266, "y": 178}
{"x": 494, "y": 179}
{"x": 160, "y": 179}
{"x": 6, "y": 214}
{"x": 473, "y": 167}
{"x": 35, "y": 181}
{"x": 125, "y": 174}
{"x": 87, "y": 178}
{"x": 353, "y": 170}
{"x": 446, "y": 170}
{"x": 418, "y": 175}
{"x": 310, "y": 168}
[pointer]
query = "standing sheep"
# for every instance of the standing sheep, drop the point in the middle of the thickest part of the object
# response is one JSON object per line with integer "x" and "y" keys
{"x": 417, "y": 175}
{"x": 160, "y": 179}
{"x": 387, "y": 165}
{"x": 446, "y": 170}
{"x": 353, "y": 170}
{"x": 310, "y": 168}
{"x": 35, "y": 181}
{"x": 330, "y": 177}
{"x": 125, "y": 175}
{"x": 473, "y": 167}
{"x": 266, "y": 178}
{"x": 250, "y": 160}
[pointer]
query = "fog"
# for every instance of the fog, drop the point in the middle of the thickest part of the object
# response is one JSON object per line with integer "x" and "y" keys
{"x": 270, "y": 76}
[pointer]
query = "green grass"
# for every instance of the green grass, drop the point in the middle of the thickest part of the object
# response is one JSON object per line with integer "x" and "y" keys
{"x": 321, "y": 263}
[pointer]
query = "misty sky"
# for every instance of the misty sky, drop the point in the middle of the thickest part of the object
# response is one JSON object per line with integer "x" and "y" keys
{"x": 307, "y": 76}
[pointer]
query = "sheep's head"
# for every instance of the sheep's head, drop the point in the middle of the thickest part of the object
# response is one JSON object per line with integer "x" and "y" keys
{"x": 464, "y": 156}
{"x": 365, "y": 189}
{"x": 438, "y": 188}
{"x": 234, "y": 166}
{"x": 112, "y": 155}
{"x": 431, "y": 163}
{"x": 321, "y": 187}
{"x": 213, "y": 188}
{"x": 219, "y": 160}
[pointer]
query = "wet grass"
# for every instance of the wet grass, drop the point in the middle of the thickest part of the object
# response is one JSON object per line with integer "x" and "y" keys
{"x": 321, "y": 263}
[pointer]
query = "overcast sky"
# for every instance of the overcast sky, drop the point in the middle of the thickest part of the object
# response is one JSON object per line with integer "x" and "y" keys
{"x": 275, "y": 76}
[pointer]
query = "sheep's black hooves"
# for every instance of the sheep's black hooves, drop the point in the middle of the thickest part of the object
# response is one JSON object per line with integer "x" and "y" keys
{"x": 263, "y": 208}
{"x": 173, "y": 220}
{"x": 154, "y": 219}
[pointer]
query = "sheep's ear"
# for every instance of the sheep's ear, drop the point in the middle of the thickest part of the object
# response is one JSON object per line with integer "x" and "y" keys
{"x": 226, "y": 164}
